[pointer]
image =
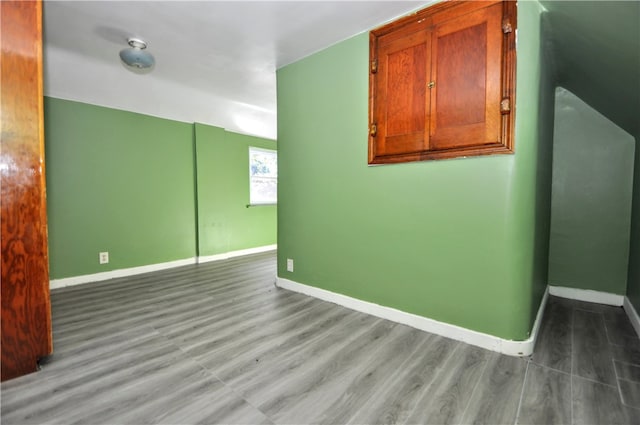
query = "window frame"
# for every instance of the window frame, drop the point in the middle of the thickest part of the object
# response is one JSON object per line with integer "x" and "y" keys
{"x": 273, "y": 152}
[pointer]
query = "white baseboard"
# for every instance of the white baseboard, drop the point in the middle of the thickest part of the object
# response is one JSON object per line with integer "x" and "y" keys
{"x": 96, "y": 277}
{"x": 490, "y": 342}
{"x": 587, "y": 295}
{"x": 632, "y": 314}
{"x": 599, "y": 298}
{"x": 239, "y": 253}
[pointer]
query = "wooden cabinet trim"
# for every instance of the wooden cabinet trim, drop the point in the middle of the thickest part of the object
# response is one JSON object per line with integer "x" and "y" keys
{"x": 429, "y": 20}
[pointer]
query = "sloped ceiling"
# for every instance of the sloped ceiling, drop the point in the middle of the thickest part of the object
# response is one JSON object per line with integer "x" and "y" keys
{"x": 596, "y": 47}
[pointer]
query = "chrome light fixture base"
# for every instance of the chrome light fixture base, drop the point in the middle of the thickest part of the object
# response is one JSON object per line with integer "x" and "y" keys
{"x": 136, "y": 58}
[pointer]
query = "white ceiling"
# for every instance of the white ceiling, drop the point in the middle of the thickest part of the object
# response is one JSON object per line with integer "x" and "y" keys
{"x": 215, "y": 60}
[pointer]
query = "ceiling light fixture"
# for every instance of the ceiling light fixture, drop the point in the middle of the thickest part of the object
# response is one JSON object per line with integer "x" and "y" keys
{"x": 136, "y": 58}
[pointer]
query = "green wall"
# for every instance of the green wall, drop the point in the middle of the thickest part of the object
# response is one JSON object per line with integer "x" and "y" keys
{"x": 461, "y": 241}
{"x": 534, "y": 151}
{"x": 224, "y": 221}
{"x": 633, "y": 282}
{"x": 118, "y": 182}
{"x": 591, "y": 201}
{"x": 126, "y": 183}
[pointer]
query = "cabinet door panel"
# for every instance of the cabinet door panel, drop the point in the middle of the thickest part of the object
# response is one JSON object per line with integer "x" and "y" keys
{"x": 401, "y": 79}
{"x": 466, "y": 70}
{"x": 442, "y": 83}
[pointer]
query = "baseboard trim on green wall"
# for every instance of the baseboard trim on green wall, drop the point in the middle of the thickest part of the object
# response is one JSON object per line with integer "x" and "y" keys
{"x": 479, "y": 339}
{"x": 598, "y": 297}
{"x": 634, "y": 318}
{"x": 239, "y": 253}
{"x": 112, "y": 274}
{"x": 587, "y": 295}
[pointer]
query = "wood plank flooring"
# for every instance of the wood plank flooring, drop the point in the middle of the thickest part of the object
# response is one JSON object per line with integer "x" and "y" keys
{"x": 219, "y": 343}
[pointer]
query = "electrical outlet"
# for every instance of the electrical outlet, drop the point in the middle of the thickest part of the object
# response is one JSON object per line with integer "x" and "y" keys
{"x": 104, "y": 257}
{"x": 289, "y": 265}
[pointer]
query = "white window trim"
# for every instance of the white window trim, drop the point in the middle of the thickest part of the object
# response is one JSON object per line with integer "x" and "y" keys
{"x": 270, "y": 152}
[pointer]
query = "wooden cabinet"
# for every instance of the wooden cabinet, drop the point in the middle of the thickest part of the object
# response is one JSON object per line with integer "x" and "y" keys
{"x": 441, "y": 83}
{"x": 26, "y": 313}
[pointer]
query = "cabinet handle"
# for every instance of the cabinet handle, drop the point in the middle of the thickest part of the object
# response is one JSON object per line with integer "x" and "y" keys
{"x": 431, "y": 84}
{"x": 373, "y": 130}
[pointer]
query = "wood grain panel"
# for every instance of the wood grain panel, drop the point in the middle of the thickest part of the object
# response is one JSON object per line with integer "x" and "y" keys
{"x": 402, "y": 94}
{"x": 403, "y": 66}
{"x": 26, "y": 315}
{"x": 461, "y": 95}
{"x": 596, "y": 403}
{"x": 500, "y": 384}
{"x": 466, "y": 71}
{"x": 546, "y": 398}
{"x": 591, "y": 351}
{"x": 553, "y": 347}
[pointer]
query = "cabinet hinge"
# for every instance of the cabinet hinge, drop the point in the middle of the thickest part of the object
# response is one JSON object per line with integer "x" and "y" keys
{"x": 374, "y": 66}
{"x": 506, "y": 26}
{"x": 505, "y": 106}
{"x": 373, "y": 130}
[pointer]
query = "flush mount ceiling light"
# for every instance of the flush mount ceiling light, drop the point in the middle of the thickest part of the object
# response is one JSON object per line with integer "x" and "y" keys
{"x": 136, "y": 58}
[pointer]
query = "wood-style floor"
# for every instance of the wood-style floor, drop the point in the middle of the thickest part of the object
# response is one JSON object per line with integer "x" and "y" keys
{"x": 219, "y": 343}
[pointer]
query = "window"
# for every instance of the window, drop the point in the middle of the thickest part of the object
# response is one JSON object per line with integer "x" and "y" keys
{"x": 441, "y": 83}
{"x": 263, "y": 176}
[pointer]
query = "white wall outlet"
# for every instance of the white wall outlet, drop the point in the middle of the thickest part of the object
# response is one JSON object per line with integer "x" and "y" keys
{"x": 289, "y": 265}
{"x": 104, "y": 257}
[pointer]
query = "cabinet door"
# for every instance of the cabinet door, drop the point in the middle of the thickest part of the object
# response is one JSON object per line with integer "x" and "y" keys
{"x": 26, "y": 315}
{"x": 466, "y": 76}
{"x": 402, "y": 113}
{"x": 442, "y": 83}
